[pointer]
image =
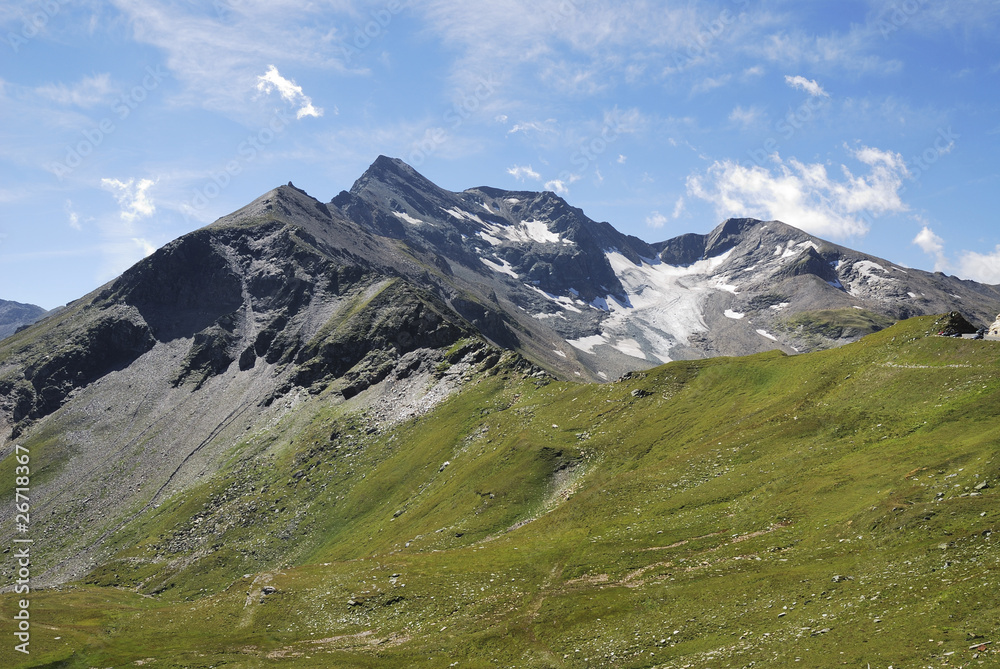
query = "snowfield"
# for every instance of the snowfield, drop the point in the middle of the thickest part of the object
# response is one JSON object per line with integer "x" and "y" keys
{"x": 664, "y": 306}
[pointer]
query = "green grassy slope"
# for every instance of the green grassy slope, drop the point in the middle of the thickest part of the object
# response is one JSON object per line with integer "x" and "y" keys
{"x": 821, "y": 510}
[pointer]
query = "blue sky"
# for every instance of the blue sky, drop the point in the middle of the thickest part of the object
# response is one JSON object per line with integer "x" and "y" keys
{"x": 127, "y": 123}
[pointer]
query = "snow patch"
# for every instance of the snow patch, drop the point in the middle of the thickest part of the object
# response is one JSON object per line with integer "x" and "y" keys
{"x": 764, "y": 333}
{"x": 561, "y": 300}
{"x": 538, "y": 231}
{"x": 587, "y": 344}
{"x": 868, "y": 268}
{"x": 735, "y": 315}
{"x": 402, "y": 215}
{"x": 720, "y": 283}
{"x": 490, "y": 238}
{"x": 455, "y": 212}
{"x": 779, "y": 307}
{"x": 630, "y": 347}
{"x": 559, "y": 353}
{"x": 503, "y": 267}
{"x": 527, "y": 231}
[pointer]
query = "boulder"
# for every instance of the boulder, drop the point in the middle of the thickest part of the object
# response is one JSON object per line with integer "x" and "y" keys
{"x": 995, "y": 328}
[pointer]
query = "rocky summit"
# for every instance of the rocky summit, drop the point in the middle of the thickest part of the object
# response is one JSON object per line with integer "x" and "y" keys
{"x": 354, "y": 433}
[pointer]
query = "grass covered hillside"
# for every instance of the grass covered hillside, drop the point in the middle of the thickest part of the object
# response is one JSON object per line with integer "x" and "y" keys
{"x": 823, "y": 510}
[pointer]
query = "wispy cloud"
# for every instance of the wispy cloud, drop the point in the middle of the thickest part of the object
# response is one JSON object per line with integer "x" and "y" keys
{"x": 678, "y": 207}
{"x": 746, "y": 117}
{"x": 73, "y": 217}
{"x": 216, "y": 52}
{"x": 521, "y": 172}
{"x": 656, "y": 220}
{"x": 288, "y": 90}
{"x": 88, "y": 92}
{"x": 711, "y": 83}
{"x": 133, "y": 198}
{"x": 808, "y": 85}
{"x": 547, "y": 126}
{"x": 804, "y": 195}
{"x": 574, "y": 48}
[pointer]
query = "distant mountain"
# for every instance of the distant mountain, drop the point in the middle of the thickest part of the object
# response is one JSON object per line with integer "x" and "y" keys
{"x": 585, "y": 300}
{"x": 14, "y": 315}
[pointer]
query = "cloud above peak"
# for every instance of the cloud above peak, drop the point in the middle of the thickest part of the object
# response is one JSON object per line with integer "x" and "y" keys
{"x": 805, "y": 195}
{"x": 289, "y": 91}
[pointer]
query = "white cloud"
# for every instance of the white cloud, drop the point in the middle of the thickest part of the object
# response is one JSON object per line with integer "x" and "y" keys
{"x": 520, "y": 172}
{"x": 557, "y": 186}
{"x": 88, "y": 92}
{"x": 929, "y": 242}
{"x": 808, "y": 85}
{"x": 72, "y": 216}
{"x": 547, "y": 126}
{"x": 132, "y": 197}
{"x": 678, "y": 207}
{"x": 656, "y": 220}
{"x": 933, "y": 246}
{"x": 621, "y": 159}
{"x": 982, "y": 267}
{"x": 804, "y": 195}
{"x": 147, "y": 247}
{"x": 288, "y": 90}
{"x": 561, "y": 186}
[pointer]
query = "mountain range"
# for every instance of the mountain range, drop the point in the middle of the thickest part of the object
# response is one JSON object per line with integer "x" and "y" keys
{"x": 287, "y": 401}
{"x": 14, "y": 315}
